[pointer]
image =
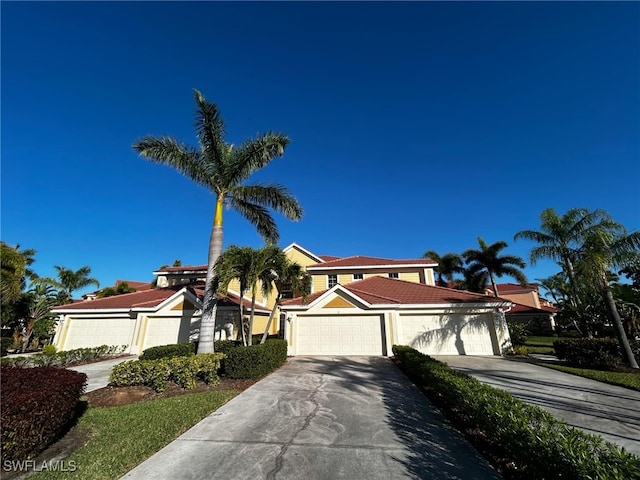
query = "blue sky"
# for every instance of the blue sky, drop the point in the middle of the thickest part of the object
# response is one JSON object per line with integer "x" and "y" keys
{"x": 413, "y": 126}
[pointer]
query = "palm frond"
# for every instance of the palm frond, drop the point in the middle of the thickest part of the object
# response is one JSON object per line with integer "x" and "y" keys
{"x": 186, "y": 160}
{"x": 253, "y": 155}
{"x": 275, "y": 197}
{"x": 259, "y": 217}
{"x": 210, "y": 131}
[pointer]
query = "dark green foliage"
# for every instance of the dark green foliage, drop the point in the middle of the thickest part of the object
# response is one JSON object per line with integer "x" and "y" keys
{"x": 255, "y": 361}
{"x": 184, "y": 371}
{"x": 604, "y": 353}
{"x": 37, "y": 406}
{"x": 5, "y": 344}
{"x": 541, "y": 446}
{"x": 169, "y": 351}
{"x": 518, "y": 332}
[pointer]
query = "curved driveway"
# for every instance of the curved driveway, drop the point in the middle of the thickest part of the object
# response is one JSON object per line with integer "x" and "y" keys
{"x": 322, "y": 418}
{"x": 595, "y": 407}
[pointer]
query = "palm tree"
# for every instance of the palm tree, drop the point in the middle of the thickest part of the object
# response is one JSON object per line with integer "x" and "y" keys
{"x": 15, "y": 271}
{"x": 560, "y": 236}
{"x": 293, "y": 277}
{"x": 448, "y": 264}
{"x": 487, "y": 259}
{"x": 69, "y": 281}
{"x": 235, "y": 264}
{"x": 222, "y": 169}
{"x": 602, "y": 251}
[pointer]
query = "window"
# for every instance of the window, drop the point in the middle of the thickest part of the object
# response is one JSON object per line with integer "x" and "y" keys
{"x": 286, "y": 291}
{"x": 332, "y": 280}
{"x": 394, "y": 275}
{"x": 358, "y": 276}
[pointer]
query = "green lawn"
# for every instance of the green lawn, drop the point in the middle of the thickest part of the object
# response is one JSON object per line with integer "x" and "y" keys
{"x": 540, "y": 344}
{"x": 627, "y": 380}
{"x": 123, "y": 437}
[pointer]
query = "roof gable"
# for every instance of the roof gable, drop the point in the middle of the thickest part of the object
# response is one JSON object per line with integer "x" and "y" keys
{"x": 391, "y": 291}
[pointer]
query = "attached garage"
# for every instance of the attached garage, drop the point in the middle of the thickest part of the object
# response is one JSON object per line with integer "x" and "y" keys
{"x": 369, "y": 316}
{"x": 93, "y": 332}
{"x": 166, "y": 330}
{"x": 339, "y": 335}
{"x": 448, "y": 334}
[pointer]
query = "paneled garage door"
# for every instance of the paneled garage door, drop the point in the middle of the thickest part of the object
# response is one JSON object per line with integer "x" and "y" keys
{"x": 85, "y": 332}
{"x": 166, "y": 331}
{"x": 338, "y": 335}
{"x": 447, "y": 334}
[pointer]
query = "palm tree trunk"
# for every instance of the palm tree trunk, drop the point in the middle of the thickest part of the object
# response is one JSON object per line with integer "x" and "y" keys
{"x": 493, "y": 284}
{"x": 253, "y": 307}
{"x": 242, "y": 333}
{"x": 210, "y": 302}
{"x": 615, "y": 317}
{"x": 271, "y": 315}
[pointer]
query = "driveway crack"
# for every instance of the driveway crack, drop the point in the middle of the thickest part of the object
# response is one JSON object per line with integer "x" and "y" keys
{"x": 279, "y": 458}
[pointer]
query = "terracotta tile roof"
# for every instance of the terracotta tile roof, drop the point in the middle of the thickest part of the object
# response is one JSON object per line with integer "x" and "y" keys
{"x": 183, "y": 268}
{"x": 328, "y": 258}
{"x": 382, "y": 290}
{"x": 519, "y": 308}
{"x": 361, "y": 261}
{"x": 509, "y": 287}
{"x": 144, "y": 298}
{"x": 136, "y": 284}
{"x": 154, "y": 297}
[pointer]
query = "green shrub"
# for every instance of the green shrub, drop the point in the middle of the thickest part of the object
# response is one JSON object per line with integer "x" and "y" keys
{"x": 37, "y": 406}
{"x": 184, "y": 371}
{"x": 69, "y": 357}
{"x": 518, "y": 332}
{"x": 603, "y": 353}
{"x": 169, "y": 351}
{"x": 48, "y": 350}
{"x": 520, "y": 350}
{"x": 255, "y": 361}
{"x": 542, "y": 446}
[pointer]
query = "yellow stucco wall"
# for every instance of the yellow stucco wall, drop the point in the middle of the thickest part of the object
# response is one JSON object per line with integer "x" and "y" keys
{"x": 410, "y": 276}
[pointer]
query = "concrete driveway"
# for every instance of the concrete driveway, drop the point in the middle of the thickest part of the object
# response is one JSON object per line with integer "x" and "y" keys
{"x": 322, "y": 418}
{"x": 98, "y": 372}
{"x": 595, "y": 407}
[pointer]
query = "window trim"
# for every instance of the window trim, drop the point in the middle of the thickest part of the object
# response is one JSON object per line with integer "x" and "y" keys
{"x": 329, "y": 280}
{"x": 395, "y": 275}
{"x": 361, "y": 275}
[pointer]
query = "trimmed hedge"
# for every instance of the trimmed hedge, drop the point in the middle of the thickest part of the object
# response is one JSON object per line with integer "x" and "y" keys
{"x": 542, "y": 446}
{"x": 603, "y": 353}
{"x": 37, "y": 406}
{"x": 68, "y": 358}
{"x": 254, "y": 361}
{"x": 169, "y": 351}
{"x": 184, "y": 371}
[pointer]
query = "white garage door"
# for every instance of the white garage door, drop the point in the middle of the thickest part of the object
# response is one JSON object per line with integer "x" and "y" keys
{"x": 84, "y": 333}
{"x": 338, "y": 335}
{"x": 447, "y": 334}
{"x": 166, "y": 331}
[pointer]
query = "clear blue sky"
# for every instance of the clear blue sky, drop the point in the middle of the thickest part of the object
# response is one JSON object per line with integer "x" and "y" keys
{"x": 414, "y": 126}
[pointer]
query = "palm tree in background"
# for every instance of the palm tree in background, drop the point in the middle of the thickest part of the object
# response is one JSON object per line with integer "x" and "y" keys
{"x": 223, "y": 169}
{"x": 448, "y": 265}
{"x": 69, "y": 281}
{"x": 487, "y": 259}
{"x": 602, "y": 251}
{"x": 291, "y": 276}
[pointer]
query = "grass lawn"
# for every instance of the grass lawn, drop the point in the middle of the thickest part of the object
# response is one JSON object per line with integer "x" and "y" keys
{"x": 122, "y": 437}
{"x": 540, "y": 344}
{"x": 623, "y": 379}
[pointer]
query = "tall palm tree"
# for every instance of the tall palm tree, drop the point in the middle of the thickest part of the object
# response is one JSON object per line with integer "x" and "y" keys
{"x": 487, "y": 259}
{"x": 223, "y": 169}
{"x": 560, "y": 236}
{"x": 602, "y": 251}
{"x": 292, "y": 276}
{"x": 448, "y": 265}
